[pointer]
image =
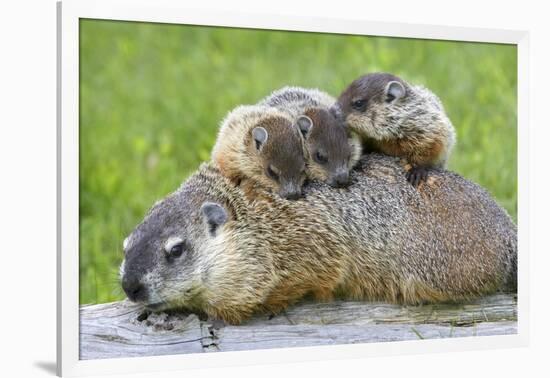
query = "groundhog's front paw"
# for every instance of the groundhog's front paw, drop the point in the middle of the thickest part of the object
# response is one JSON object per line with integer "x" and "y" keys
{"x": 416, "y": 175}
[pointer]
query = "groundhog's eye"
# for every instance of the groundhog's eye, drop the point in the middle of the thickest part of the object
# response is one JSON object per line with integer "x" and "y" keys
{"x": 270, "y": 172}
{"x": 174, "y": 247}
{"x": 358, "y": 104}
{"x": 176, "y": 251}
{"x": 320, "y": 158}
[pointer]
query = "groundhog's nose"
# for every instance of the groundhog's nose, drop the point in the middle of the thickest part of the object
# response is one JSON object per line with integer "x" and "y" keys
{"x": 290, "y": 191}
{"x": 340, "y": 180}
{"x": 134, "y": 289}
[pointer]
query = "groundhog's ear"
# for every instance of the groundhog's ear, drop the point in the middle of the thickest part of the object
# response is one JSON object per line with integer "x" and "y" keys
{"x": 304, "y": 124}
{"x": 214, "y": 215}
{"x": 260, "y": 136}
{"x": 394, "y": 90}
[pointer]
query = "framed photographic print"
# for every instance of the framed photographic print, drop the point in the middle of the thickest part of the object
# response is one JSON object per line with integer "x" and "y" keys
{"x": 239, "y": 189}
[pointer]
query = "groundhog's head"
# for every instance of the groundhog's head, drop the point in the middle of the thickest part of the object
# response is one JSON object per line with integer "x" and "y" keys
{"x": 262, "y": 144}
{"x": 280, "y": 162}
{"x": 332, "y": 150}
{"x": 374, "y": 105}
{"x": 169, "y": 256}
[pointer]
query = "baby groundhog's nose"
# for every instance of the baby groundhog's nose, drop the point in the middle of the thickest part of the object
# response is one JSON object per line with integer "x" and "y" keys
{"x": 340, "y": 179}
{"x": 293, "y": 196}
{"x": 134, "y": 289}
{"x": 290, "y": 191}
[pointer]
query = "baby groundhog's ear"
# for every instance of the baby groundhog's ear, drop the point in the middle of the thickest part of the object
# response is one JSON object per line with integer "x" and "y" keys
{"x": 214, "y": 215}
{"x": 260, "y": 136}
{"x": 304, "y": 124}
{"x": 394, "y": 90}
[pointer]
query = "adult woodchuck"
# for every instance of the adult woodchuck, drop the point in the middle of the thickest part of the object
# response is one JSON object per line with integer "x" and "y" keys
{"x": 212, "y": 247}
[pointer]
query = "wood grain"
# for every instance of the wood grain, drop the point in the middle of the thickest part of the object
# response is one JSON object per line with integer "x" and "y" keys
{"x": 123, "y": 329}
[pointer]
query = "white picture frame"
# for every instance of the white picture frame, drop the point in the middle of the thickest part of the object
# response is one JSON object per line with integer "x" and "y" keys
{"x": 172, "y": 11}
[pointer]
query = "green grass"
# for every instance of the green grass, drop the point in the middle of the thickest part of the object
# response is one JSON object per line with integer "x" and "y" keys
{"x": 152, "y": 96}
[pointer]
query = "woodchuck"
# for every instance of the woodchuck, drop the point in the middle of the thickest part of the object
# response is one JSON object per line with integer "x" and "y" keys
{"x": 262, "y": 144}
{"x": 209, "y": 247}
{"x": 399, "y": 119}
{"x": 331, "y": 149}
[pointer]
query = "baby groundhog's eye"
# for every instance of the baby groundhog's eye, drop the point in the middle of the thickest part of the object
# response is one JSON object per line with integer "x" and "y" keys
{"x": 270, "y": 172}
{"x": 320, "y": 158}
{"x": 358, "y": 104}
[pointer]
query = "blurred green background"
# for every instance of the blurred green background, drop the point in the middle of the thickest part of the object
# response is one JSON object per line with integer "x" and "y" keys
{"x": 152, "y": 96}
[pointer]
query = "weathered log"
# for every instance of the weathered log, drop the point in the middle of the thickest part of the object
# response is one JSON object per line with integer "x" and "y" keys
{"x": 123, "y": 329}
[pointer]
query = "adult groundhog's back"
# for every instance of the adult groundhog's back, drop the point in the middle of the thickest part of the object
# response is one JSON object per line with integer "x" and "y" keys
{"x": 451, "y": 227}
{"x": 382, "y": 238}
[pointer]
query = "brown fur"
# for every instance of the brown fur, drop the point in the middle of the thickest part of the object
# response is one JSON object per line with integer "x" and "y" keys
{"x": 238, "y": 158}
{"x": 339, "y": 146}
{"x": 417, "y": 154}
{"x": 379, "y": 239}
{"x": 414, "y": 126}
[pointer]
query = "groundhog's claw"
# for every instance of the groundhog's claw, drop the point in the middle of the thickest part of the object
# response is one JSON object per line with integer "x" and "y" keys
{"x": 417, "y": 175}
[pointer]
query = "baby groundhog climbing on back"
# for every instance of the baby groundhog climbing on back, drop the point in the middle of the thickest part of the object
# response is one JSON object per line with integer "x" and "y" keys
{"x": 262, "y": 144}
{"x": 399, "y": 119}
{"x": 331, "y": 149}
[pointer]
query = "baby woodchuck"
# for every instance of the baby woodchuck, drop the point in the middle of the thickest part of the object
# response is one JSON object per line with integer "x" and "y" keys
{"x": 331, "y": 149}
{"x": 399, "y": 119}
{"x": 262, "y": 144}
